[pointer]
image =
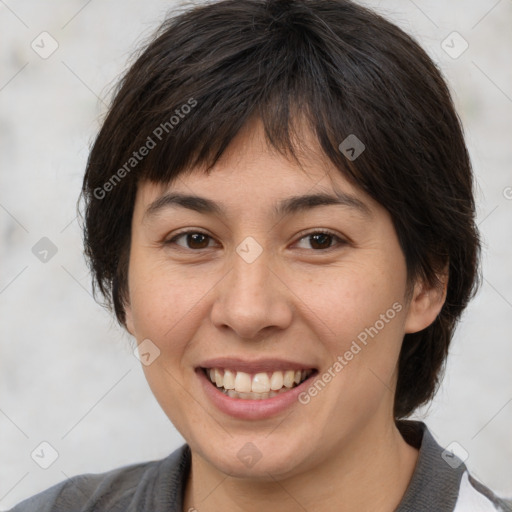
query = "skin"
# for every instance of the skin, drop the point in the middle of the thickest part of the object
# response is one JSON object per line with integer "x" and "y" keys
{"x": 199, "y": 299}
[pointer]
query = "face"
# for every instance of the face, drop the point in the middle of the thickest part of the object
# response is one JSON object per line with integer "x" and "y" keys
{"x": 313, "y": 292}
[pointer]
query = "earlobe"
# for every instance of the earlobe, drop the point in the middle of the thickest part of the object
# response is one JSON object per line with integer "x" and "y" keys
{"x": 426, "y": 304}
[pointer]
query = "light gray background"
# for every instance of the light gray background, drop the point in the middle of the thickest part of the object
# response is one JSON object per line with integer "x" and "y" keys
{"x": 68, "y": 375}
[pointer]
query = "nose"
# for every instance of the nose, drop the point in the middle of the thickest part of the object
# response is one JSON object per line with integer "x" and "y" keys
{"x": 252, "y": 300}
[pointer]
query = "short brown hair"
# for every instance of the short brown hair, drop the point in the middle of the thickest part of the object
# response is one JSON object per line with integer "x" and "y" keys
{"x": 348, "y": 71}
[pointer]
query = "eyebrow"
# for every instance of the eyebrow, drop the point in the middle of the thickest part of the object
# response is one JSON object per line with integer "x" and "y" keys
{"x": 286, "y": 207}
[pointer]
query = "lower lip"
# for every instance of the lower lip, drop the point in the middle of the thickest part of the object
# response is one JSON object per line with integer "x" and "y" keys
{"x": 252, "y": 409}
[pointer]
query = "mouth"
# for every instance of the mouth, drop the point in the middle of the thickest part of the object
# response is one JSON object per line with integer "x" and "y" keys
{"x": 256, "y": 386}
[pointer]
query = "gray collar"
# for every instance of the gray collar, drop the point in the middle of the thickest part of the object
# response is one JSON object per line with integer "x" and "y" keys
{"x": 436, "y": 479}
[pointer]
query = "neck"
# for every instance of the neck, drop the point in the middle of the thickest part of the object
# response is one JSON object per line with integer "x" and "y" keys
{"x": 372, "y": 472}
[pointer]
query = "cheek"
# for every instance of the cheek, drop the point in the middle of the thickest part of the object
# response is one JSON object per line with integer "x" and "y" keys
{"x": 358, "y": 313}
{"x": 161, "y": 299}
{"x": 352, "y": 297}
{"x": 168, "y": 307}
{"x": 165, "y": 310}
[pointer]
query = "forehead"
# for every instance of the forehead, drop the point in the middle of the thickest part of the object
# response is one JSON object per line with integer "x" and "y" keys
{"x": 251, "y": 173}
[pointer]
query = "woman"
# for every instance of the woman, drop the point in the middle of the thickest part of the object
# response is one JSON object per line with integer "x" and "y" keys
{"x": 279, "y": 208}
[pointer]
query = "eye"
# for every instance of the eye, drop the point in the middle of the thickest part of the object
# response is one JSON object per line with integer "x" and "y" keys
{"x": 195, "y": 240}
{"x": 321, "y": 239}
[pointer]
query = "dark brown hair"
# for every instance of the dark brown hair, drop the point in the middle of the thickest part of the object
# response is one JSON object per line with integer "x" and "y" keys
{"x": 342, "y": 68}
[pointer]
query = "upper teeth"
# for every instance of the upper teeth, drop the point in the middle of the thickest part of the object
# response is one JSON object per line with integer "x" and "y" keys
{"x": 258, "y": 383}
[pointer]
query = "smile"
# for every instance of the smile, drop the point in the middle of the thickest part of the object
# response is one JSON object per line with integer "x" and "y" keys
{"x": 258, "y": 386}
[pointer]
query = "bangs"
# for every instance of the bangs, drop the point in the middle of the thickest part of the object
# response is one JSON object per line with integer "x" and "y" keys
{"x": 191, "y": 126}
{"x": 187, "y": 96}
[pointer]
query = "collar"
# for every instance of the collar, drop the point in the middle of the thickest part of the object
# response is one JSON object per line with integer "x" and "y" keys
{"x": 436, "y": 479}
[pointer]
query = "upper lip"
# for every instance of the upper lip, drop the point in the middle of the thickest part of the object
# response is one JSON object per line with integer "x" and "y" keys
{"x": 254, "y": 366}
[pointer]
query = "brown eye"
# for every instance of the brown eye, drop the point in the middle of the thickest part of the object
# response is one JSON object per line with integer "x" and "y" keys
{"x": 322, "y": 240}
{"x": 194, "y": 240}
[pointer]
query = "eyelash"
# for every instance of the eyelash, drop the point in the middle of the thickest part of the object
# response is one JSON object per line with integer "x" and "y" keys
{"x": 340, "y": 240}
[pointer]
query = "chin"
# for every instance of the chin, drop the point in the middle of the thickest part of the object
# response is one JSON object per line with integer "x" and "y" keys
{"x": 258, "y": 459}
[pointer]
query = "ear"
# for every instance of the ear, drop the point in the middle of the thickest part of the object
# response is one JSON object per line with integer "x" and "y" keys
{"x": 426, "y": 303}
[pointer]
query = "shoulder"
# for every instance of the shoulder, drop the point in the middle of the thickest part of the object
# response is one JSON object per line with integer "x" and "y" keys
{"x": 136, "y": 485}
{"x": 441, "y": 481}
